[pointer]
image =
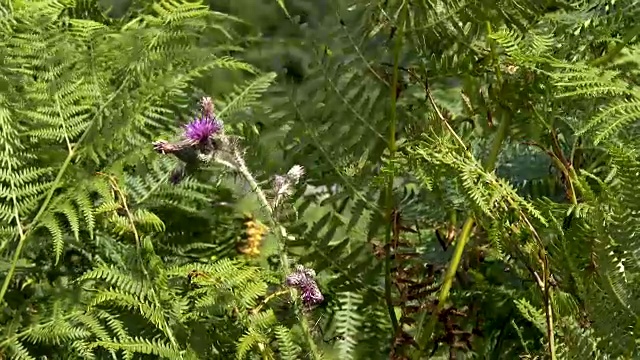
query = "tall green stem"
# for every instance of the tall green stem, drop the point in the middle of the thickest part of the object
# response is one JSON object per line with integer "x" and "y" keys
{"x": 393, "y": 148}
{"x": 635, "y": 31}
{"x": 464, "y": 237}
{"x": 465, "y": 234}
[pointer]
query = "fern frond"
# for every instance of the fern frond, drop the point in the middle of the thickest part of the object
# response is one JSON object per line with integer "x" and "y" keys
{"x": 246, "y": 95}
{"x": 119, "y": 280}
{"x": 18, "y": 351}
{"x": 348, "y": 323}
{"x": 289, "y": 350}
{"x": 149, "y": 347}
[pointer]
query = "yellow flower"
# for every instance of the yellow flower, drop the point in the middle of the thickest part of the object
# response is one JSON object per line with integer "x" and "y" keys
{"x": 254, "y": 231}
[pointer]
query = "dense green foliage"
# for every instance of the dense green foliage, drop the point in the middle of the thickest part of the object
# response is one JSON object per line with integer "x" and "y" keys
{"x": 469, "y": 187}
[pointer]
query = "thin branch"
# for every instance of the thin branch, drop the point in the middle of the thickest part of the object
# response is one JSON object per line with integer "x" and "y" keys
{"x": 389, "y": 202}
{"x": 604, "y": 60}
{"x": 442, "y": 118}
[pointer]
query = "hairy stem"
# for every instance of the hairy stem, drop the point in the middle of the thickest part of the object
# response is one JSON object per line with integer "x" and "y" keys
{"x": 240, "y": 166}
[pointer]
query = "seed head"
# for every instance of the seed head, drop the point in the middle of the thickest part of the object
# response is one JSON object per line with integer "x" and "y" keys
{"x": 283, "y": 185}
{"x": 295, "y": 173}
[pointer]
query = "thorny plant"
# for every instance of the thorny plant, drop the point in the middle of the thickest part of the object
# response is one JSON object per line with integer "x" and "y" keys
{"x": 204, "y": 141}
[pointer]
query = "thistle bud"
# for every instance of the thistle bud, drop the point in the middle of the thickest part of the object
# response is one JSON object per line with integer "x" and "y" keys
{"x": 283, "y": 185}
{"x": 207, "y": 107}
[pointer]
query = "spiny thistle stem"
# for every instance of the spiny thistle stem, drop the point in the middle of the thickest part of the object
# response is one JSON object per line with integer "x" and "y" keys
{"x": 204, "y": 140}
{"x": 240, "y": 166}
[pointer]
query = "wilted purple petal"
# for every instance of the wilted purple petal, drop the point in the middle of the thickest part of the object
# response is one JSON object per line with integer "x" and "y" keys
{"x": 303, "y": 280}
{"x": 295, "y": 279}
{"x": 201, "y": 129}
{"x": 311, "y": 294}
{"x": 165, "y": 147}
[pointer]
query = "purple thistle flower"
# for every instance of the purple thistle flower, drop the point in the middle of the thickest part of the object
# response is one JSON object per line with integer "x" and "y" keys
{"x": 303, "y": 280}
{"x": 295, "y": 279}
{"x": 201, "y": 129}
{"x": 311, "y": 294}
{"x": 197, "y": 144}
